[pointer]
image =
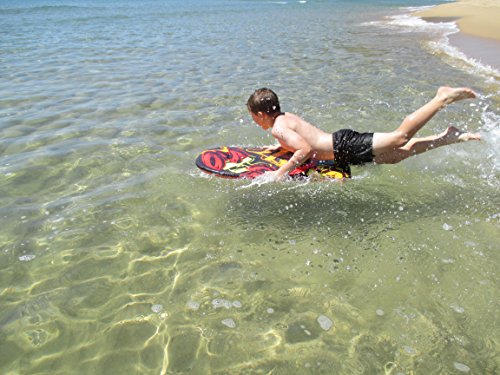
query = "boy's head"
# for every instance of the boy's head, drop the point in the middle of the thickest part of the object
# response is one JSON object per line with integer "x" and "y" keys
{"x": 265, "y": 101}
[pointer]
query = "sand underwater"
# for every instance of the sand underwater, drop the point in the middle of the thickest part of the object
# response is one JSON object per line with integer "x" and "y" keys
{"x": 119, "y": 256}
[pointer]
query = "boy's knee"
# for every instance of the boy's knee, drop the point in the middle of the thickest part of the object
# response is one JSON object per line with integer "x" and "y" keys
{"x": 400, "y": 138}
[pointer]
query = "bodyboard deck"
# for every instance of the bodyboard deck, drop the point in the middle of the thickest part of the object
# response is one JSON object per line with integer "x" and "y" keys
{"x": 251, "y": 162}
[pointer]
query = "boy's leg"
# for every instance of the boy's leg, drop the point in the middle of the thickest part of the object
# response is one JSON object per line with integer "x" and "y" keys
{"x": 419, "y": 145}
{"x": 385, "y": 142}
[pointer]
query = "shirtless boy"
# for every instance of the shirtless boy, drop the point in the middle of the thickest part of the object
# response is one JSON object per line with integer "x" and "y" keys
{"x": 350, "y": 147}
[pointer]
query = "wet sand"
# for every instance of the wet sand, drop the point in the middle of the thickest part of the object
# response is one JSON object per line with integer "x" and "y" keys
{"x": 477, "y": 20}
{"x": 486, "y": 51}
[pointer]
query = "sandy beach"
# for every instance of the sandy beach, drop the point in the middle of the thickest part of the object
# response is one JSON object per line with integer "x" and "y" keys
{"x": 478, "y": 22}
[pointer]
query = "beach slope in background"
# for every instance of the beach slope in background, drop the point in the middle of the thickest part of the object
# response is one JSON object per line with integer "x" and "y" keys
{"x": 478, "y": 22}
{"x": 474, "y": 17}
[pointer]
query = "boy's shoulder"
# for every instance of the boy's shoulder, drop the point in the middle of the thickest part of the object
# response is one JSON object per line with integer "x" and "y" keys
{"x": 287, "y": 119}
{"x": 283, "y": 122}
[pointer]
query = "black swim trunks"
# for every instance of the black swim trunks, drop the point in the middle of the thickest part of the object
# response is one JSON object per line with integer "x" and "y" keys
{"x": 351, "y": 147}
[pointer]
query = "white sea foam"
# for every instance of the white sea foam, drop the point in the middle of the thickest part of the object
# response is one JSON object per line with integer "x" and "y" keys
{"x": 407, "y": 23}
{"x": 491, "y": 137}
{"x": 439, "y": 43}
{"x": 410, "y": 23}
{"x": 455, "y": 57}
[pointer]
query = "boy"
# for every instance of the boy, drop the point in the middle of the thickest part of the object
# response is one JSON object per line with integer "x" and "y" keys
{"x": 350, "y": 147}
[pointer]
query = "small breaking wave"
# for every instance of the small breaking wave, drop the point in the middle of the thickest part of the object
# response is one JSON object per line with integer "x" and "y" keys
{"x": 439, "y": 44}
{"x": 455, "y": 57}
{"x": 41, "y": 8}
{"x": 408, "y": 23}
{"x": 491, "y": 126}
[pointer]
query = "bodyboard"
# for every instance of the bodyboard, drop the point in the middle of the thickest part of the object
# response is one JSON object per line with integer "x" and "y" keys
{"x": 251, "y": 162}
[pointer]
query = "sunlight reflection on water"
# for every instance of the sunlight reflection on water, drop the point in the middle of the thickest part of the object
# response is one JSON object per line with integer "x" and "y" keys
{"x": 118, "y": 255}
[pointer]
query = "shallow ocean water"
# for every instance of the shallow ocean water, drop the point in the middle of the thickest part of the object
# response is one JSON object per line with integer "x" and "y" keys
{"x": 118, "y": 256}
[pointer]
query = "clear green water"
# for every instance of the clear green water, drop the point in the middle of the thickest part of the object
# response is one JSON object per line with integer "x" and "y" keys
{"x": 118, "y": 256}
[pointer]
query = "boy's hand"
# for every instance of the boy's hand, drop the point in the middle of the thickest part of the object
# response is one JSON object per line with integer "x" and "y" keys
{"x": 275, "y": 176}
{"x": 270, "y": 176}
{"x": 272, "y": 148}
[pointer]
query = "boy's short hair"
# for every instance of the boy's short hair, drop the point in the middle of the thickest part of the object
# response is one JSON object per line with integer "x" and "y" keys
{"x": 264, "y": 100}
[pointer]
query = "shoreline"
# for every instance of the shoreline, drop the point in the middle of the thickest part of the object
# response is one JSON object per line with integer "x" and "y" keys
{"x": 477, "y": 20}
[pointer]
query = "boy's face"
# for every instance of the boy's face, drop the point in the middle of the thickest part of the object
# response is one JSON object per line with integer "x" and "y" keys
{"x": 261, "y": 119}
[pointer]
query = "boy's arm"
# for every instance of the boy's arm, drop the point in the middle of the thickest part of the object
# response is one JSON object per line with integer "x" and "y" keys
{"x": 299, "y": 157}
{"x": 292, "y": 141}
{"x": 273, "y": 148}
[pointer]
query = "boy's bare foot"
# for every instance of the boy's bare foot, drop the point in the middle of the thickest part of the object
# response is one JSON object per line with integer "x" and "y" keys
{"x": 454, "y": 135}
{"x": 449, "y": 94}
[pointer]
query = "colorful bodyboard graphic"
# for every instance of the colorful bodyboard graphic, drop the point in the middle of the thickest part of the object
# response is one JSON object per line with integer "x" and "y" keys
{"x": 250, "y": 162}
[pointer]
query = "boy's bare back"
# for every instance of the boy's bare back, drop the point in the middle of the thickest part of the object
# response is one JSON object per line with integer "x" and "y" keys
{"x": 294, "y": 133}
